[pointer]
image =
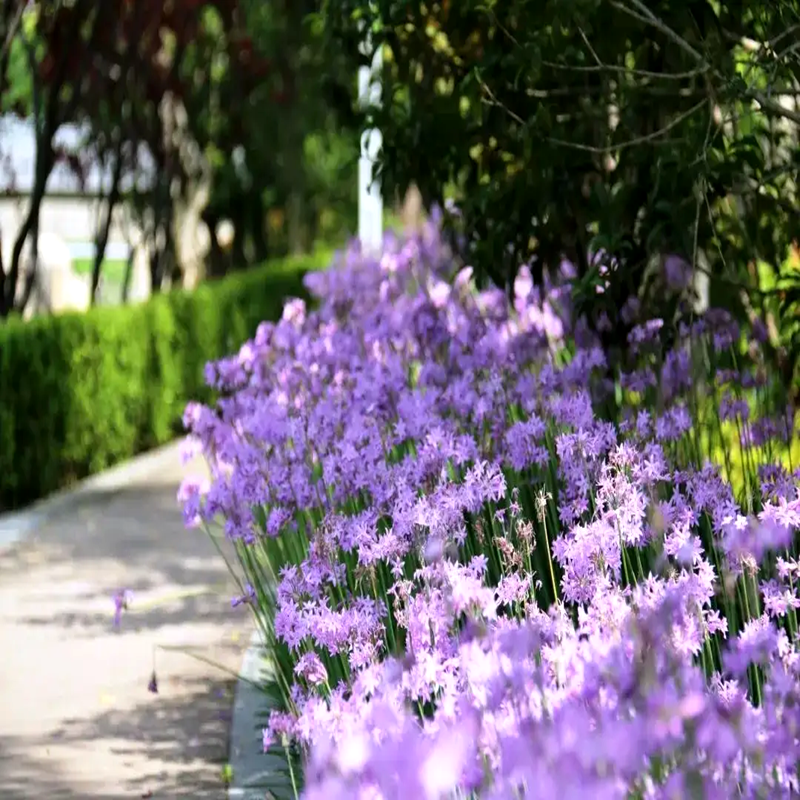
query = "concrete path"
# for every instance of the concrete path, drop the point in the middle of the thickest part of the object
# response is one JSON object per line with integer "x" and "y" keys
{"x": 76, "y": 717}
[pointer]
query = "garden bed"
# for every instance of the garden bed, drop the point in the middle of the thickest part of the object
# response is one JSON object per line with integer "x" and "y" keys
{"x": 489, "y": 561}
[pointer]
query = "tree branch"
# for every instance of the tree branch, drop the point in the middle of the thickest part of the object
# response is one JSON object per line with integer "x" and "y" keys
{"x": 648, "y": 17}
{"x": 590, "y": 48}
{"x": 637, "y": 140}
{"x": 590, "y": 148}
{"x": 635, "y": 73}
{"x": 13, "y": 27}
{"x": 770, "y": 106}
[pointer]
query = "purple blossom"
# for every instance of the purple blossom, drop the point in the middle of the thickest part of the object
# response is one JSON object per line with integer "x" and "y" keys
{"x": 644, "y": 334}
{"x": 677, "y": 273}
{"x": 249, "y": 596}
{"x": 673, "y": 424}
{"x": 122, "y": 599}
{"x": 426, "y": 467}
{"x": 312, "y": 669}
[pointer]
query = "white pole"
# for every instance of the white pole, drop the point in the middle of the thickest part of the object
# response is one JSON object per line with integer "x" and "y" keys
{"x": 370, "y": 203}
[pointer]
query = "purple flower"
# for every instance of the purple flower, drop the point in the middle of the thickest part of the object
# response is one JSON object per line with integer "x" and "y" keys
{"x": 427, "y": 465}
{"x": 249, "y": 596}
{"x": 630, "y": 310}
{"x": 760, "y": 331}
{"x": 673, "y": 424}
{"x": 312, "y": 669}
{"x": 677, "y": 273}
{"x": 754, "y": 645}
{"x": 645, "y": 334}
{"x": 190, "y": 494}
{"x": 122, "y": 598}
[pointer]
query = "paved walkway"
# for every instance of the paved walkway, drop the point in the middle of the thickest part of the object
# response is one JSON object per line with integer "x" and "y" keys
{"x": 76, "y": 717}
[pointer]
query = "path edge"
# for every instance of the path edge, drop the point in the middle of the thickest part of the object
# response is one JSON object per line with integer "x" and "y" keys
{"x": 252, "y": 770}
{"x": 16, "y": 525}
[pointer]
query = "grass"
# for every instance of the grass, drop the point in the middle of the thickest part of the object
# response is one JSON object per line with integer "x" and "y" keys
{"x": 113, "y": 269}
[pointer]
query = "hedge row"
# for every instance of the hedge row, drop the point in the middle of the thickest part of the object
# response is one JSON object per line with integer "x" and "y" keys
{"x": 81, "y": 392}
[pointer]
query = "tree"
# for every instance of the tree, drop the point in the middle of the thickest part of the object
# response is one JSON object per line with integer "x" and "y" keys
{"x": 226, "y": 95}
{"x": 87, "y": 62}
{"x": 147, "y": 75}
{"x": 52, "y": 102}
{"x": 564, "y": 129}
{"x": 279, "y": 147}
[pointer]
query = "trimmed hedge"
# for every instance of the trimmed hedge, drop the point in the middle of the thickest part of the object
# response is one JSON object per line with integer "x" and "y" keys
{"x": 81, "y": 392}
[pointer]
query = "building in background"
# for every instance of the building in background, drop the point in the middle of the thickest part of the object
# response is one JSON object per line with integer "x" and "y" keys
{"x": 70, "y": 209}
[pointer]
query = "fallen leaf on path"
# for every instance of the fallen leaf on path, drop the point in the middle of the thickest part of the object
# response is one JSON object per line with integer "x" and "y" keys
{"x": 107, "y": 699}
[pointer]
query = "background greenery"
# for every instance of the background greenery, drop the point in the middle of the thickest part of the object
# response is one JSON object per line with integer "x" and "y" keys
{"x": 224, "y": 106}
{"x": 559, "y": 127}
{"x": 80, "y": 392}
{"x": 113, "y": 268}
{"x": 640, "y": 128}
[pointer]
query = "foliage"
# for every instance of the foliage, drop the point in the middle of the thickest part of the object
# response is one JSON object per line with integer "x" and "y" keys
{"x": 152, "y": 66}
{"x": 79, "y": 392}
{"x": 566, "y": 129}
{"x": 292, "y": 159}
{"x": 113, "y": 268}
{"x": 491, "y": 561}
{"x": 180, "y": 101}
{"x": 18, "y": 97}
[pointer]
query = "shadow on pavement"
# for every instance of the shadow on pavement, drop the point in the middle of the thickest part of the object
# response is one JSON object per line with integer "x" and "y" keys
{"x": 184, "y": 754}
{"x": 132, "y": 539}
{"x": 76, "y": 719}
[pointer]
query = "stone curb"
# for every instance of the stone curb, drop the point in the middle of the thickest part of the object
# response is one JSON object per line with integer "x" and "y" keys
{"x": 15, "y": 526}
{"x": 254, "y": 774}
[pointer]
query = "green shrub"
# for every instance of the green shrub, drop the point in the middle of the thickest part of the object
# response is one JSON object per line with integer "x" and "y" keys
{"x": 80, "y": 392}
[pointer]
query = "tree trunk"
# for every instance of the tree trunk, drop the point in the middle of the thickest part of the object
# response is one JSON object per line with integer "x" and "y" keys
{"x": 101, "y": 236}
{"x": 126, "y": 281}
{"x": 48, "y": 117}
{"x": 258, "y": 227}
{"x": 238, "y": 255}
{"x": 44, "y": 166}
{"x": 294, "y": 221}
{"x": 160, "y": 232}
{"x": 33, "y": 273}
{"x": 172, "y": 262}
{"x": 163, "y": 261}
{"x": 156, "y": 266}
{"x": 217, "y": 262}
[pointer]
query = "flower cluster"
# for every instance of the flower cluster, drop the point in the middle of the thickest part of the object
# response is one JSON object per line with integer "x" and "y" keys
{"x": 493, "y": 560}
